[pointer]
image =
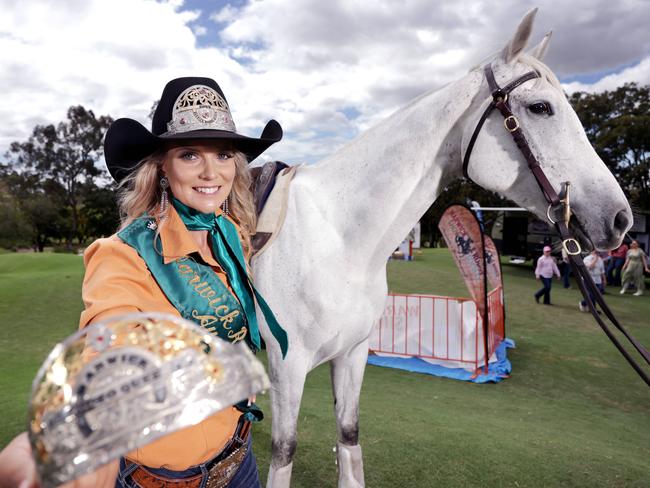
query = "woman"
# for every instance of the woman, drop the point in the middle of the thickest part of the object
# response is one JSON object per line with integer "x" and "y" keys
{"x": 544, "y": 271}
{"x": 183, "y": 248}
{"x": 635, "y": 264}
{"x": 596, "y": 268}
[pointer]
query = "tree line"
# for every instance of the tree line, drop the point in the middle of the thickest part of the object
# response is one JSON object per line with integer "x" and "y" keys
{"x": 54, "y": 190}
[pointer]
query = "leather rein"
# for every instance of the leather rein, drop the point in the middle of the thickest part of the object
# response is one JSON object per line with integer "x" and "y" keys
{"x": 555, "y": 204}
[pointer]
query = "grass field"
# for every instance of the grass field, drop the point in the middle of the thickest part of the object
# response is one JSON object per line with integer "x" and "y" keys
{"x": 573, "y": 414}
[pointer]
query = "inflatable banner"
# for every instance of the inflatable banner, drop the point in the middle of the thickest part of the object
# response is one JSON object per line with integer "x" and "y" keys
{"x": 492, "y": 263}
{"x": 462, "y": 233}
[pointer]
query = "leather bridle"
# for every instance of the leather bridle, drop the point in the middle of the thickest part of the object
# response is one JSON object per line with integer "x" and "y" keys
{"x": 555, "y": 204}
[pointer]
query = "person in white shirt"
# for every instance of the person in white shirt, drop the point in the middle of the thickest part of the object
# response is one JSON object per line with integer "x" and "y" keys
{"x": 596, "y": 267}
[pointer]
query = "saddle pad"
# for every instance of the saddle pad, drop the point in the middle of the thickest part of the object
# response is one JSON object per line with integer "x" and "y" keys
{"x": 272, "y": 217}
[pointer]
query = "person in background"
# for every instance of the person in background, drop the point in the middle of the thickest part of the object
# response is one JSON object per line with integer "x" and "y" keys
{"x": 615, "y": 264}
{"x": 566, "y": 269}
{"x": 596, "y": 267}
{"x": 476, "y": 208}
{"x": 635, "y": 264}
{"x": 544, "y": 271}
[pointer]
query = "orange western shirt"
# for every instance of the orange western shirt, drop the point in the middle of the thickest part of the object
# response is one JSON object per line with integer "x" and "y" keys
{"x": 117, "y": 281}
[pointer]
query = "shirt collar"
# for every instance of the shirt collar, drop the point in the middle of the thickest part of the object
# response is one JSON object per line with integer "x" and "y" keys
{"x": 177, "y": 241}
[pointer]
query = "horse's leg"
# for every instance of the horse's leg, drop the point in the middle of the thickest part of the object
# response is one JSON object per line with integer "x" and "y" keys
{"x": 288, "y": 381}
{"x": 347, "y": 376}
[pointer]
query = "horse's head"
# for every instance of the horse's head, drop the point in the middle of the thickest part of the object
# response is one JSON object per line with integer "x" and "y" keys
{"x": 556, "y": 138}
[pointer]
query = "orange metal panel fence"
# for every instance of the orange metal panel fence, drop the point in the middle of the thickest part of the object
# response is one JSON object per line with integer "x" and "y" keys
{"x": 444, "y": 330}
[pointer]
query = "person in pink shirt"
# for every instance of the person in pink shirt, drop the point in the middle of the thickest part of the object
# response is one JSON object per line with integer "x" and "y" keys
{"x": 544, "y": 271}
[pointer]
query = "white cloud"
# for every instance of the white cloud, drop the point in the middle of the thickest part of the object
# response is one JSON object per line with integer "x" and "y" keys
{"x": 199, "y": 30}
{"x": 375, "y": 56}
{"x": 325, "y": 70}
{"x": 226, "y": 14}
{"x": 55, "y": 55}
{"x": 639, "y": 73}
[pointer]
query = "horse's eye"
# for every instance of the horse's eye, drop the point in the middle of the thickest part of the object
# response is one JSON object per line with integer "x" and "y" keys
{"x": 540, "y": 108}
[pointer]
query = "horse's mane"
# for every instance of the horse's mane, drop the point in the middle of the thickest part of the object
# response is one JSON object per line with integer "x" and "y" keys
{"x": 531, "y": 61}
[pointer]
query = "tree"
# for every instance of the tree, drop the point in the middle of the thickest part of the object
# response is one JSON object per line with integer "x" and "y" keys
{"x": 47, "y": 221}
{"x": 14, "y": 230}
{"x": 617, "y": 124}
{"x": 64, "y": 157}
{"x": 460, "y": 191}
{"x": 33, "y": 214}
{"x": 100, "y": 215}
{"x": 152, "y": 110}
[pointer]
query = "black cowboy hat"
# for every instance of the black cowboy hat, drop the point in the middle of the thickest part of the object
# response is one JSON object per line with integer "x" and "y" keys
{"x": 189, "y": 108}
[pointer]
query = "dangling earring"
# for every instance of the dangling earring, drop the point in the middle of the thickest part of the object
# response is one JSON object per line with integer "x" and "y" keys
{"x": 224, "y": 206}
{"x": 164, "y": 199}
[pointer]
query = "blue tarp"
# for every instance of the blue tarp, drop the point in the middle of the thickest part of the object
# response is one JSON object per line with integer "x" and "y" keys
{"x": 497, "y": 370}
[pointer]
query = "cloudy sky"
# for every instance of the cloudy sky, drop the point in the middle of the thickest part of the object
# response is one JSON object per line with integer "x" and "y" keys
{"x": 325, "y": 69}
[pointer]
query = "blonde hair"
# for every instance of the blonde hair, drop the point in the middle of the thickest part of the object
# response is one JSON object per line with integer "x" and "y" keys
{"x": 140, "y": 192}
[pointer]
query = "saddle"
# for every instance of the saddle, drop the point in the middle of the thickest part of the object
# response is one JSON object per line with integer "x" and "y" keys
{"x": 270, "y": 188}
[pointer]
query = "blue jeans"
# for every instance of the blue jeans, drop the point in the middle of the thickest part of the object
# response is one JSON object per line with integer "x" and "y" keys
{"x": 545, "y": 290}
{"x": 601, "y": 289}
{"x": 245, "y": 477}
{"x": 614, "y": 271}
{"x": 566, "y": 272}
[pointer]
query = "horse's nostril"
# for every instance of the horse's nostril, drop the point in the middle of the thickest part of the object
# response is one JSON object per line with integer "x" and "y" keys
{"x": 621, "y": 221}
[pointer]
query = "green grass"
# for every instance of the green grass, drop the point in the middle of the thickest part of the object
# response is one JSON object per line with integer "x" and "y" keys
{"x": 40, "y": 301}
{"x": 573, "y": 414}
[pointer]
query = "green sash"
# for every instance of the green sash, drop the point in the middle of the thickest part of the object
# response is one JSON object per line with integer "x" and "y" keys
{"x": 200, "y": 296}
{"x": 228, "y": 251}
{"x": 192, "y": 288}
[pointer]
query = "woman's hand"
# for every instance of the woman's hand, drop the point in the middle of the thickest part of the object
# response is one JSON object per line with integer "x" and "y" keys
{"x": 103, "y": 477}
{"x": 17, "y": 467}
{"x": 18, "y": 470}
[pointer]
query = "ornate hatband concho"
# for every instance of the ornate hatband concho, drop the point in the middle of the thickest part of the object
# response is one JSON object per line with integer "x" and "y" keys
{"x": 119, "y": 384}
{"x": 200, "y": 107}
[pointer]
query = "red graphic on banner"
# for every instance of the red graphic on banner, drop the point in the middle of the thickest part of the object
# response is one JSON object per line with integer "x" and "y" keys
{"x": 492, "y": 264}
{"x": 462, "y": 233}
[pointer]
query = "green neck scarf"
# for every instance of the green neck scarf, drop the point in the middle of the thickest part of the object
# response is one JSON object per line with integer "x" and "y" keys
{"x": 230, "y": 256}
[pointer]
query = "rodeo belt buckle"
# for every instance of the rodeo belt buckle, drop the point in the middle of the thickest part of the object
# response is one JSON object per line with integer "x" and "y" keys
{"x": 122, "y": 383}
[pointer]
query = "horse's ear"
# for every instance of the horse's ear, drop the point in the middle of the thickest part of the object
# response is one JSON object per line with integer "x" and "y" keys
{"x": 540, "y": 50}
{"x": 518, "y": 43}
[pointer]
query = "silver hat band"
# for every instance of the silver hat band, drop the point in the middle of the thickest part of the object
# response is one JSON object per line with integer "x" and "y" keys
{"x": 200, "y": 107}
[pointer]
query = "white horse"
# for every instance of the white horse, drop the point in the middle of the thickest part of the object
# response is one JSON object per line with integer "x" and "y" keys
{"x": 325, "y": 274}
